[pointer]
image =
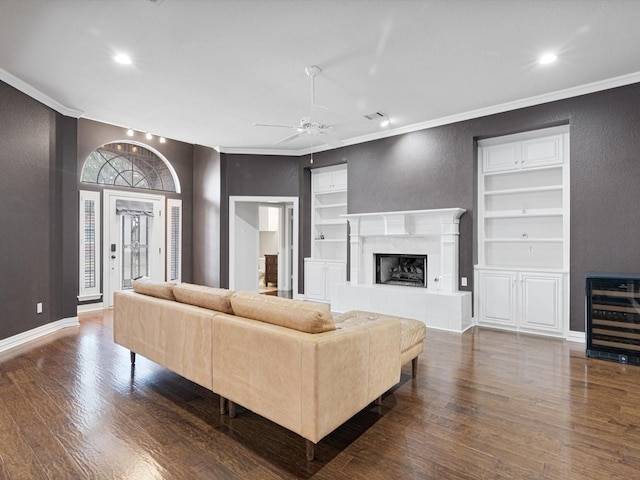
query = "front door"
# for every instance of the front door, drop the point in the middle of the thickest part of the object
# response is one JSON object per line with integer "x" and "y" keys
{"x": 133, "y": 240}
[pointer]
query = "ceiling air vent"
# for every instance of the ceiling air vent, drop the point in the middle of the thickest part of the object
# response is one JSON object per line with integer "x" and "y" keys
{"x": 374, "y": 116}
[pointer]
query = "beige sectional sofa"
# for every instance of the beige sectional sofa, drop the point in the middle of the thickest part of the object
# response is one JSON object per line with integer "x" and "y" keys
{"x": 290, "y": 361}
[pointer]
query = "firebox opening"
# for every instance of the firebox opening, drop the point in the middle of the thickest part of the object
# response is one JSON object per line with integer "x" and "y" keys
{"x": 401, "y": 269}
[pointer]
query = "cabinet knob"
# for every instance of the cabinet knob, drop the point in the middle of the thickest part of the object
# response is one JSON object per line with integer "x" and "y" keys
{"x": 525, "y": 235}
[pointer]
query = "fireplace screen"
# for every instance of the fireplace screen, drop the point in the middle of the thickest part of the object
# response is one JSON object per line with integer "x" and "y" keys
{"x": 401, "y": 269}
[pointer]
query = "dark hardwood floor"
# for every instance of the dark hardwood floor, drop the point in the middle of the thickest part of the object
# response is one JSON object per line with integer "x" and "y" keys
{"x": 485, "y": 404}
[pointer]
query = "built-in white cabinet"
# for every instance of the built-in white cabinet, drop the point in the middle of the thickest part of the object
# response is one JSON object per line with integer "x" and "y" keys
{"x": 330, "y": 179}
{"x": 329, "y": 243}
{"x": 523, "y": 231}
{"x": 523, "y": 301}
{"x": 320, "y": 276}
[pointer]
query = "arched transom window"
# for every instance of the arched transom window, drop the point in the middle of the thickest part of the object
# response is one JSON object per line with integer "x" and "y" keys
{"x": 129, "y": 165}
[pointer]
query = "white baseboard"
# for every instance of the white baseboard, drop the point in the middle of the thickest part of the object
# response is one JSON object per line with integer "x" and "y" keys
{"x": 89, "y": 307}
{"x": 574, "y": 336}
{"x": 36, "y": 333}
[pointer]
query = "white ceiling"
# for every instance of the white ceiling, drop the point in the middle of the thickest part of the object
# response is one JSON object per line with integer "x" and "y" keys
{"x": 205, "y": 71}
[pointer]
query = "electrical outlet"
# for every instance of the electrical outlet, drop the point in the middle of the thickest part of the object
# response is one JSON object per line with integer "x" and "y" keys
{"x": 39, "y": 307}
{"x": 463, "y": 281}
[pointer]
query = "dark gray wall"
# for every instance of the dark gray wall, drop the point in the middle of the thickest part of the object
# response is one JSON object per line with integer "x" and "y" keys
{"x": 437, "y": 168}
{"x": 92, "y": 135}
{"x": 252, "y": 175}
{"x": 41, "y": 154}
{"x": 427, "y": 169}
{"x": 206, "y": 216}
{"x": 39, "y": 259}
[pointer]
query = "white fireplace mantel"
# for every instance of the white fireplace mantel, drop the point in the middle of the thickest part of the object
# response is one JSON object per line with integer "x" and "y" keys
{"x": 434, "y": 233}
{"x": 443, "y": 223}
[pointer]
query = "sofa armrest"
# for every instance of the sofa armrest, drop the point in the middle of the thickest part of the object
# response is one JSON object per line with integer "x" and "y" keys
{"x": 308, "y": 383}
{"x": 349, "y": 371}
{"x": 172, "y": 334}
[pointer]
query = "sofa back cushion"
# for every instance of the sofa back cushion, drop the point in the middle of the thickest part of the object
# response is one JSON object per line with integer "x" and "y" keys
{"x": 302, "y": 316}
{"x": 154, "y": 288}
{"x": 218, "y": 299}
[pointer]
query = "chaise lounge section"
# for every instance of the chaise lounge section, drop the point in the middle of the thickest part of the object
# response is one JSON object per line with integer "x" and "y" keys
{"x": 289, "y": 361}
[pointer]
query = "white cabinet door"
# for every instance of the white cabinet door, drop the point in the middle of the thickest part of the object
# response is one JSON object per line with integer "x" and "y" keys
{"x": 542, "y": 151}
{"x": 540, "y": 296}
{"x": 501, "y": 157}
{"x": 314, "y": 280}
{"x": 524, "y": 301}
{"x": 320, "y": 277}
{"x": 330, "y": 180}
{"x": 335, "y": 273}
{"x": 339, "y": 179}
{"x": 497, "y": 297}
{"x": 322, "y": 181}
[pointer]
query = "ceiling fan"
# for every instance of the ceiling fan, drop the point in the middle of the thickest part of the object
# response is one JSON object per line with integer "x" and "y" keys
{"x": 307, "y": 125}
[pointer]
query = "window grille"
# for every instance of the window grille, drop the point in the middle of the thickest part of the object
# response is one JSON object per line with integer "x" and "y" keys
{"x": 128, "y": 165}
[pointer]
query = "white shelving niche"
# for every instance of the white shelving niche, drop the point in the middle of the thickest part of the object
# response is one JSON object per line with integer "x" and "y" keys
{"x": 328, "y": 262}
{"x": 523, "y": 232}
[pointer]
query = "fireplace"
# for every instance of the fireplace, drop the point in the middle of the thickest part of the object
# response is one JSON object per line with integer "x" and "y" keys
{"x": 401, "y": 269}
{"x": 433, "y": 233}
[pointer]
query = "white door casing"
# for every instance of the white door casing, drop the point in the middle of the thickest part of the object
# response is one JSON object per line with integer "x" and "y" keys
{"x": 112, "y": 235}
{"x": 237, "y": 269}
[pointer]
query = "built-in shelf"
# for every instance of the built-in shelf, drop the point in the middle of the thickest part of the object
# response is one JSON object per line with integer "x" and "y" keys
{"x": 331, "y": 222}
{"x": 550, "y": 212}
{"x": 524, "y": 240}
{"x": 327, "y": 264}
{"x": 523, "y": 232}
{"x": 509, "y": 191}
{"x": 331, "y": 205}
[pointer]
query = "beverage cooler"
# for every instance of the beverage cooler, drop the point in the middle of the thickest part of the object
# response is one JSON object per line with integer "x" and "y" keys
{"x": 613, "y": 317}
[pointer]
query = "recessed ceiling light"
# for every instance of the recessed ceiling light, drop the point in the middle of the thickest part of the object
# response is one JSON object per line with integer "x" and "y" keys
{"x": 547, "y": 58}
{"x": 130, "y": 132}
{"x": 163, "y": 140}
{"x": 148, "y": 136}
{"x": 123, "y": 58}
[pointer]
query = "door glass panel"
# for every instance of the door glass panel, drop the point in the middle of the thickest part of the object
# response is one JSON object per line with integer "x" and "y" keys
{"x": 135, "y": 247}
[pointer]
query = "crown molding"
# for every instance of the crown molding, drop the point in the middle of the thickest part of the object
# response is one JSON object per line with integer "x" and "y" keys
{"x": 461, "y": 117}
{"x": 260, "y": 151}
{"x": 36, "y": 94}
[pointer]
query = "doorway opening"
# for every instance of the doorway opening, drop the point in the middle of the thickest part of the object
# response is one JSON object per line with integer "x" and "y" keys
{"x": 263, "y": 245}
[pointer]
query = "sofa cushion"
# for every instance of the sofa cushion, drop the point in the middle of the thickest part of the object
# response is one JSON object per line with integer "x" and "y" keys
{"x": 218, "y": 299}
{"x": 413, "y": 331}
{"x": 154, "y": 288}
{"x": 298, "y": 315}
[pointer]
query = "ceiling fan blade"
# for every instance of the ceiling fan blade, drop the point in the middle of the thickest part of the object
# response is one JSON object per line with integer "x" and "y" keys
{"x": 273, "y": 125}
{"x": 331, "y": 140}
{"x": 287, "y": 139}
